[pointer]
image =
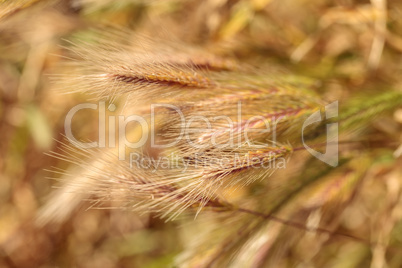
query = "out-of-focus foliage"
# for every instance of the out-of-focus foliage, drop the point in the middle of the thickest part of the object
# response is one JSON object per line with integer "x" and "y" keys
{"x": 349, "y": 50}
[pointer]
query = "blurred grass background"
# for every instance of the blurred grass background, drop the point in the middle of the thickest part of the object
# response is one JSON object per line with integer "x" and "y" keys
{"x": 350, "y": 46}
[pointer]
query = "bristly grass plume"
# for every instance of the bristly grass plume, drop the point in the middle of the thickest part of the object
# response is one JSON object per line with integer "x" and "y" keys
{"x": 258, "y": 117}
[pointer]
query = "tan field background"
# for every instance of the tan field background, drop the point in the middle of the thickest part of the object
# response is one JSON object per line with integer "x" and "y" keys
{"x": 352, "y": 48}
